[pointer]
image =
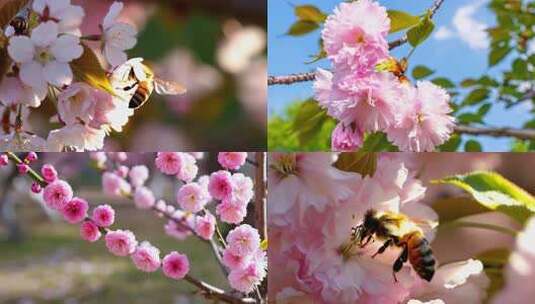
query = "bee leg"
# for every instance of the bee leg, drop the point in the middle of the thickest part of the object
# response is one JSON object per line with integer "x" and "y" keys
{"x": 370, "y": 237}
{"x": 398, "y": 264}
{"x": 382, "y": 249}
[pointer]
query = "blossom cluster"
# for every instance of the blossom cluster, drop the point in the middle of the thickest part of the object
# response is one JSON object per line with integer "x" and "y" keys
{"x": 242, "y": 252}
{"x": 50, "y": 61}
{"x": 364, "y": 98}
{"x": 321, "y": 263}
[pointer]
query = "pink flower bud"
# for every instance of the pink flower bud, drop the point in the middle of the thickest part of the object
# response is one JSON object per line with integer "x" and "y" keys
{"x": 57, "y": 194}
{"x": 144, "y": 198}
{"x": 75, "y": 211}
{"x": 121, "y": 242}
{"x": 205, "y": 226}
{"x": 122, "y": 171}
{"x": 36, "y": 188}
{"x": 4, "y": 160}
{"x": 103, "y": 215}
{"x": 146, "y": 257}
{"x": 89, "y": 231}
{"x": 23, "y": 168}
{"x": 31, "y": 157}
{"x": 169, "y": 162}
{"x": 232, "y": 160}
{"x": 175, "y": 265}
{"x": 49, "y": 173}
{"x": 220, "y": 185}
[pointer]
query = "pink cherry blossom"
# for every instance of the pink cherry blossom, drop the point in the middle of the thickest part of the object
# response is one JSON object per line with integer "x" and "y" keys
{"x": 242, "y": 187}
{"x": 354, "y": 36}
{"x": 103, "y": 215}
{"x": 169, "y": 162}
{"x": 233, "y": 261}
{"x": 75, "y": 210}
{"x": 220, "y": 185}
{"x": 121, "y": 242}
{"x": 243, "y": 240}
{"x": 346, "y": 138}
{"x": 31, "y": 157}
{"x": 49, "y": 173}
{"x": 232, "y": 211}
{"x": 146, "y": 257}
{"x": 175, "y": 265}
{"x": 4, "y": 160}
{"x": 57, "y": 194}
{"x": 89, "y": 231}
{"x": 245, "y": 279}
{"x": 144, "y": 198}
{"x": 425, "y": 122}
{"x": 192, "y": 197}
{"x": 205, "y": 226}
{"x": 122, "y": 171}
{"x": 138, "y": 175}
{"x": 231, "y": 160}
{"x": 189, "y": 168}
{"x": 113, "y": 184}
{"x": 36, "y": 187}
{"x": 23, "y": 168}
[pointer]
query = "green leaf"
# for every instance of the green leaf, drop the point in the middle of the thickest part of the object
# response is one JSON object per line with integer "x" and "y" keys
{"x": 472, "y": 146}
{"x": 309, "y": 120}
{"x": 468, "y": 82}
{"x": 467, "y": 118}
{"x": 89, "y": 70}
{"x": 419, "y": 33}
{"x": 476, "y": 96}
{"x": 9, "y": 9}
{"x": 495, "y": 192}
{"x": 364, "y": 163}
{"x": 420, "y": 72}
{"x": 443, "y": 82}
{"x": 497, "y": 54}
{"x": 309, "y": 13}
{"x": 452, "y": 144}
{"x": 300, "y": 28}
{"x": 378, "y": 142}
{"x": 494, "y": 262}
{"x": 401, "y": 20}
{"x": 484, "y": 109}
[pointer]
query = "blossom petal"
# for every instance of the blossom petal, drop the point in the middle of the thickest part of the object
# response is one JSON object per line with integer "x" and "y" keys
{"x": 58, "y": 73}
{"x": 39, "y": 6}
{"x": 21, "y": 49}
{"x": 31, "y": 74}
{"x": 71, "y": 18}
{"x": 114, "y": 55}
{"x": 45, "y": 34}
{"x": 113, "y": 13}
{"x": 67, "y": 48}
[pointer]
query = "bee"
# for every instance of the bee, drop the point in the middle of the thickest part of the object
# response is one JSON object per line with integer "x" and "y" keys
{"x": 20, "y": 25}
{"x": 397, "y": 230}
{"x": 139, "y": 78}
{"x": 394, "y": 66}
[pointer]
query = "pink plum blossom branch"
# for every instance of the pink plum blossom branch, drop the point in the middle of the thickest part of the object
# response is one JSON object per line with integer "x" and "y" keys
{"x": 524, "y": 134}
{"x": 207, "y": 290}
{"x": 310, "y": 76}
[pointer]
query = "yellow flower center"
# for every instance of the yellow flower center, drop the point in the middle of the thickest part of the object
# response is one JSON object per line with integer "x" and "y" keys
{"x": 285, "y": 165}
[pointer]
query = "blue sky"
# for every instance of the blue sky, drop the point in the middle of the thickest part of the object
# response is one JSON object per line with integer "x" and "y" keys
{"x": 456, "y": 50}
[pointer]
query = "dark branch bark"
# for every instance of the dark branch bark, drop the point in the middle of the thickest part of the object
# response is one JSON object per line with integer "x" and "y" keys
{"x": 212, "y": 292}
{"x": 260, "y": 194}
{"x": 524, "y": 134}
{"x": 310, "y": 76}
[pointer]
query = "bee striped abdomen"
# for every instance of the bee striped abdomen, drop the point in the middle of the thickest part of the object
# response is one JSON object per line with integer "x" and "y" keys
{"x": 140, "y": 97}
{"x": 421, "y": 257}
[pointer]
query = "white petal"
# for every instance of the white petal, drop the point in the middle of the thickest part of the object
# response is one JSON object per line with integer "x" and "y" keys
{"x": 10, "y": 31}
{"x": 32, "y": 97}
{"x": 45, "y": 34}
{"x": 10, "y": 91}
{"x": 31, "y": 74}
{"x": 56, "y": 6}
{"x": 39, "y": 6}
{"x": 67, "y": 48}
{"x": 114, "y": 56}
{"x": 21, "y": 49}
{"x": 70, "y": 18}
{"x": 112, "y": 14}
{"x": 58, "y": 73}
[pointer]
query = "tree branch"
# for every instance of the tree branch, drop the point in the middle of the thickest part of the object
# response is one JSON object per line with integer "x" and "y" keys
{"x": 524, "y": 134}
{"x": 310, "y": 76}
{"x": 260, "y": 194}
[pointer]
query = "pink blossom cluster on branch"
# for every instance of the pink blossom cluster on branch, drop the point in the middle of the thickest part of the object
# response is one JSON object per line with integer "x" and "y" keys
{"x": 313, "y": 207}
{"x": 49, "y": 60}
{"x": 243, "y": 256}
{"x": 365, "y": 99}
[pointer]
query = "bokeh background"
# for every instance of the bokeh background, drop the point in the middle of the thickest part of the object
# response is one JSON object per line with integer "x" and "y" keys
{"x": 217, "y": 49}
{"x": 44, "y": 260}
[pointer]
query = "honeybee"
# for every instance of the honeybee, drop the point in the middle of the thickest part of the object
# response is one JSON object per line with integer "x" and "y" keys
{"x": 398, "y": 68}
{"x": 20, "y": 25}
{"x": 396, "y": 229}
{"x": 139, "y": 78}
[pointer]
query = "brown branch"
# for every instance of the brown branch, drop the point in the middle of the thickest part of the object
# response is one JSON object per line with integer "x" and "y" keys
{"x": 260, "y": 194}
{"x": 524, "y": 134}
{"x": 310, "y": 76}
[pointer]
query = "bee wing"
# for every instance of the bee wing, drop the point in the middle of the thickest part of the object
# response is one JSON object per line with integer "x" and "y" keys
{"x": 429, "y": 224}
{"x": 165, "y": 87}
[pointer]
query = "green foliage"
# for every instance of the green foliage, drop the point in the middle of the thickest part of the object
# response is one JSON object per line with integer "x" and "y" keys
{"x": 451, "y": 145}
{"x": 308, "y": 120}
{"x": 364, "y": 163}
{"x": 300, "y": 28}
{"x": 419, "y": 33}
{"x": 309, "y": 19}
{"x": 472, "y": 145}
{"x": 495, "y": 192}
{"x": 494, "y": 262}
{"x": 421, "y": 71}
{"x": 476, "y": 96}
{"x": 401, "y": 20}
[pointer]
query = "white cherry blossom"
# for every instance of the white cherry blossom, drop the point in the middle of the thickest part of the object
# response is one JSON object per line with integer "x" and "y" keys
{"x": 117, "y": 36}
{"x": 44, "y": 57}
{"x": 77, "y": 137}
{"x": 13, "y": 91}
{"x": 68, "y": 16}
